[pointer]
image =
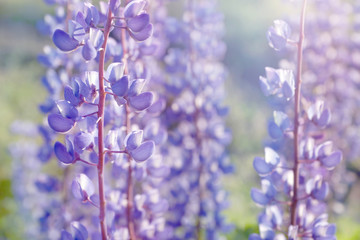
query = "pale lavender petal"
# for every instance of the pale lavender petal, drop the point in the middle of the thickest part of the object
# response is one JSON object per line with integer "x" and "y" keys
{"x": 141, "y": 101}
{"x": 133, "y": 8}
{"x": 144, "y": 34}
{"x": 133, "y": 140}
{"x": 138, "y": 23}
{"x": 143, "y": 152}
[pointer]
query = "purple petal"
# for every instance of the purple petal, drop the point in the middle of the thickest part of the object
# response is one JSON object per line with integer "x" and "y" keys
{"x": 134, "y": 8}
{"x": 293, "y": 232}
{"x": 158, "y": 106}
{"x": 138, "y": 23}
{"x": 136, "y": 87}
{"x": 159, "y": 137}
{"x": 141, "y": 101}
{"x": 273, "y": 75}
{"x": 323, "y": 150}
{"x": 143, "y": 152}
{"x": 144, "y": 34}
{"x": 114, "y": 5}
{"x": 44, "y": 60}
{"x": 266, "y": 232}
{"x": 86, "y": 184}
{"x": 332, "y": 160}
{"x": 63, "y": 41}
{"x": 115, "y": 71}
{"x": 88, "y": 51}
{"x": 59, "y": 123}
{"x": 120, "y": 101}
{"x": 67, "y": 110}
{"x": 288, "y": 90}
{"x": 62, "y": 153}
{"x": 265, "y": 87}
{"x": 274, "y": 130}
{"x": 70, "y": 96}
{"x": 77, "y": 191}
{"x": 258, "y": 197}
{"x": 254, "y": 236}
{"x": 47, "y": 184}
{"x": 261, "y": 166}
{"x": 324, "y": 118}
{"x": 331, "y": 230}
{"x": 120, "y": 87}
{"x": 148, "y": 49}
{"x": 66, "y": 235}
{"x": 159, "y": 207}
{"x": 276, "y": 41}
{"x": 271, "y": 157}
{"x": 82, "y": 140}
{"x": 96, "y": 38}
{"x": 268, "y": 188}
{"x": 80, "y": 18}
{"x": 95, "y": 199}
{"x": 133, "y": 140}
{"x": 80, "y": 230}
{"x": 92, "y": 15}
{"x": 158, "y": 172}
{"x": 82, "y": 187}
{"x": 45, "y": 153}
{"x": 320, "y": 190}
{"x": 282, "y": 120}
{"x": 307, "y": 148}
{"x": 69, "y": 146}
{"x": 278, "y": 35}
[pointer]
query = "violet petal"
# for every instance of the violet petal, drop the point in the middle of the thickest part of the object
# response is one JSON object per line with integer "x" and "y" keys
{"x": 63, "y": 41}
{"x": 59, "y": 123}
{"x": 143, "y": 152}
{"x": 141, "y": 101}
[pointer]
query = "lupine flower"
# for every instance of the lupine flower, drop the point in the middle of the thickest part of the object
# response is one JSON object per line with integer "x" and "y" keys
{"x": 73, "y": 109}
{"x": 332, "y": 59}
{"x": 195, "y": 151}
{"x": 294, "y": 173}
{"x": 134, "y": 112}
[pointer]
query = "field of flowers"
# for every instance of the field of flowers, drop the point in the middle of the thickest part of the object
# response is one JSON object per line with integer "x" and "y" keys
{"x": 172, "y": 163}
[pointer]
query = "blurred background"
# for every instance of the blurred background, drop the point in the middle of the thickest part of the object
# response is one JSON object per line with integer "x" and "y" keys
{"x": 248, "y": 53}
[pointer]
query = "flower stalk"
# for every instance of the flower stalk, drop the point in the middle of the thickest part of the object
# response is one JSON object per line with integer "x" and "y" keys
{"x": 297, "y": 113}
{"x": 101, "y": 107}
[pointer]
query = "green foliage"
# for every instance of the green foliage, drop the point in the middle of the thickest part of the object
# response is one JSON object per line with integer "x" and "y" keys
{"x": 348, "y": 229}
{"x": 243, "y": 233}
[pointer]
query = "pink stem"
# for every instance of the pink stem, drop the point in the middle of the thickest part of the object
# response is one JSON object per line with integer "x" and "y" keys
{"x": 101, "y": 107}
{"x": 295, "y": 199}
{"x": 130, "y": 222}
{"x": 86, "y": 162}
{"x": 130, "y": 191}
